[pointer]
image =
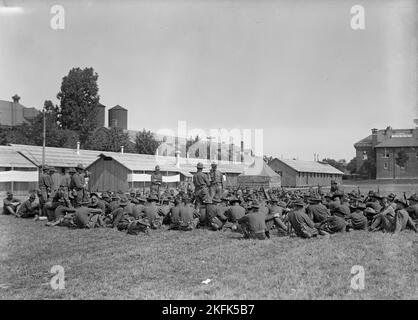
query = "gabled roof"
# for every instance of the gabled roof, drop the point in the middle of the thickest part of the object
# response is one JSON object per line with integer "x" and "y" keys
{"x": 398, "y": 142}
{"x": 367, "y": 142}
{"x": 310, "y": 166}
{"x": 259, "y": 168}
{"x": 65, "y": 157}
{"x": 117, "y": 107}
{"x": 10, "y": 158}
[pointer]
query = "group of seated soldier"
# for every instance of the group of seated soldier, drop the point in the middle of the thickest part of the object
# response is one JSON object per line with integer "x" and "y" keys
{"x": 255, "y": 213}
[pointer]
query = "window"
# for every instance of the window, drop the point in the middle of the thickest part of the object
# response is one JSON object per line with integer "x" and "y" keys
{"x": 364, "y": 155}
{"x": 385, "y": 166}
{"x": 386, "y": 153}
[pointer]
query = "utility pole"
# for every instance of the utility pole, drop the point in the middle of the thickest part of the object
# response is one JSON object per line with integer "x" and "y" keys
{"x": 43, "y": 139}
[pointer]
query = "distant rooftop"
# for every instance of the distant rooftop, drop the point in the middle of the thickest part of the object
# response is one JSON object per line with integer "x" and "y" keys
{"x": 310, "y": 166}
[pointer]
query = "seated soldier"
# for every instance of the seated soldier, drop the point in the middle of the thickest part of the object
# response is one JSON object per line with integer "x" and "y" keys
{"x": 385, "y": 220}
{"x": 29, "y": 209}
{"x": 403, "y": 219}
{"x": 215, "y": 214}
{"x": 234, "y": 213}
{"x": 151, "y": 212}
{"x": 412, "y": 209}
{"x": 10, "y": 204}
{"x": 316, "y": 211}
{"x": 356, "y": 219}
{"x": 86, "y": 217}
{"x": 304, "y": 227}
{"x": 188, "y": 216}
{"x": 253, "y": 224}
{"x": 138, "y": 209}
{"x": 173, "y": 217}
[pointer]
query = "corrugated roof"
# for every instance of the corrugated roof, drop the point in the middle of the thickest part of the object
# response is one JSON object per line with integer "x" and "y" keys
{"x": 398, "y": 142}
{"x": 65, "y": 157}
{"x": 10, "y": 158}
{"x": 310, "y": 166}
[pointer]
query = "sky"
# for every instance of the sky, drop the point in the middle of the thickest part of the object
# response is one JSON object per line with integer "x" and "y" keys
{"x": 295, "y": 69}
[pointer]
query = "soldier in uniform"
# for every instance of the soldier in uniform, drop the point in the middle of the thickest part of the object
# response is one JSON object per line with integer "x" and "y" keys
{"x": 45, "y": 185}
{"x": 65, "y": 184}
{"x": 216, "y": 181}
{"x": 156, "y": 180}
{"x": 334, "y": 186}
{"x": 201, "y": 184}
{"x": 304, "y": 227}
{"x": 77, "y": 185}
{"x": 253, "y": 224}
{"x": 10, "y": 204}
{"x": 29, "y": 208}
{"x": 412, "y": 209}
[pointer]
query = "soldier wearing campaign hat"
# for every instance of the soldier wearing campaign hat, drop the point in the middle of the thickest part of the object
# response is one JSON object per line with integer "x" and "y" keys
{"x": 201, "y": 185}
{"x": 216, "y": 181}
{"x": 253, "y": 224}
{"x": 156, "y": 180}
{"x": 77, "y": 185}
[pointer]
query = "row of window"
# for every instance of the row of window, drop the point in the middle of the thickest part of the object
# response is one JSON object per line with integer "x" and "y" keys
{"x": 316, "y": 175}
{"x": 385, "y": 154}
{"x": 386, "y": 167}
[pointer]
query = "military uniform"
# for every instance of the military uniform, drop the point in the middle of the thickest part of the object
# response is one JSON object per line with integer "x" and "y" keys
{"x": 253, "y": 224}
{"x": 216, "y": 182}
{"x": 304, "y": 227}
{"x": 201, "y": 184}
{"x": 77, "y": 185}
{"x": 156, "y": 181}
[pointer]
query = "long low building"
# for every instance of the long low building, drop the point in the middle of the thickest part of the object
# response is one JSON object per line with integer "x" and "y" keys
{"x": 300, "y": 173}
{"x": 120, "y": 171}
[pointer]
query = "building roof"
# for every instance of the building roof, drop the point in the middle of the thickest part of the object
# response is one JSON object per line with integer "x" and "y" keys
{"x": 367, "y": 142}
{"x": 11, "y": 158}
{"x": 310, "y": 166}
{"x": 398, "y": 142}
{"x": 65, "y": 157}
{"x": 118, "y": 107}
{"x": 259, "y": 168}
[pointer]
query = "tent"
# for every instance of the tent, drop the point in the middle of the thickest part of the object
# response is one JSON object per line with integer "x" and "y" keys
{"x": 259, "y": 174}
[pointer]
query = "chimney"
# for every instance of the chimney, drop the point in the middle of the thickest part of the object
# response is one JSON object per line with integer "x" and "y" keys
{"x": 374, "y": 137}
{"x": 78, "y": 147}
{"x": 178, "y": 159}
{"x": 16, "y": 98}
{"x": 121, "y": 149}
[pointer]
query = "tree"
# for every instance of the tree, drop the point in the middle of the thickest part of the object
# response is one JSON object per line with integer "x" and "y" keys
{"x": 352, "y": 166}
{"x": 190, "y": 142}
{"x": 368, "y": 168}
{"x": 32, "y": 134}
{"x": 112, "y": 139}
{"x": 145, "y": 143}
{"x": 336, "y": 164}
{"x": 78, "y": 102}
{"x": 401, "y": 158}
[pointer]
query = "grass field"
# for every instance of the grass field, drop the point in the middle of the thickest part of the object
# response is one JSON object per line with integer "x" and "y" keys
{"x": 108, "y": 264}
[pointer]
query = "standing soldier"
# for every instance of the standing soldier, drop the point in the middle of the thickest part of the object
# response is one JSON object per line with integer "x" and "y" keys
{"x": 156, "y": 181}
{"x": 201, "y": 184}
{"x": 45, "y": 184}
{"x": 216, "y": 181}
{"x": 77, "y": 185}
{"x": 65, "y": 185}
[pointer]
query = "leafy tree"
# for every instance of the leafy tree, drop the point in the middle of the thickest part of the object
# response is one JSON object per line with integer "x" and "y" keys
{"x": 112, "y": 139}
{"x": 145, "y": 143}
{"x": 401, "y": 158}
{"x": 78, "y": 102}
{"x": 335, "y": 164}
{"x": 352, "y": 166}
{"x": 190, "y": 142}
{"x": 368, "y": 168}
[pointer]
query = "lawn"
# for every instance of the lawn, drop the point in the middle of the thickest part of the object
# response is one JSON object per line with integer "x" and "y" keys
{"x": 108, "y": 264}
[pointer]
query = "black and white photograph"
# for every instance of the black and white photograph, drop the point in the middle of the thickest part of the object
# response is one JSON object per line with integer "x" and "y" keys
{"x": 208, "y": 150}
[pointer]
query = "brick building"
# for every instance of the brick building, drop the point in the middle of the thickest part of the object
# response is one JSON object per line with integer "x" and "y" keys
{"x": 383, "y": 147}
{"x": 12, "y": 113}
